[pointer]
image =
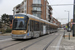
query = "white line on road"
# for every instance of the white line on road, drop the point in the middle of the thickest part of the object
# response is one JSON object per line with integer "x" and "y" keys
{"x": 5, "y": 39}
{"x": 58, "y": 45}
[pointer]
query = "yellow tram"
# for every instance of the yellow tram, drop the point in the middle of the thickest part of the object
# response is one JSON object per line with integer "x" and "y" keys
{"x": 28, "y": 26}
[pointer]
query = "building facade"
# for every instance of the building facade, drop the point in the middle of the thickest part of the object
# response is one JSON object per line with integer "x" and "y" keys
{"x": 53, "y": 20}
{"x": 39, "y": 8}
{"x": 71, "y": 24}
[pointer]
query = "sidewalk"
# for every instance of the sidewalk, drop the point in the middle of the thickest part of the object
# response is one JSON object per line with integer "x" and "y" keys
{"x": 67, "y": 44}
{"x": 5, "y": 34}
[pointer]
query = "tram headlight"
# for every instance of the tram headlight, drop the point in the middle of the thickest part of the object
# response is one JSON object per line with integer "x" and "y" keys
{"x": 25, "y": 32}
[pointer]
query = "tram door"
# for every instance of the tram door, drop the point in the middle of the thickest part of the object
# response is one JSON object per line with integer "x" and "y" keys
{"x": 44, "y": 29}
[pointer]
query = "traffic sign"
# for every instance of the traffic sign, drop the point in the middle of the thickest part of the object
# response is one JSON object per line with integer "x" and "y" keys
{"x": 73, "y": 23}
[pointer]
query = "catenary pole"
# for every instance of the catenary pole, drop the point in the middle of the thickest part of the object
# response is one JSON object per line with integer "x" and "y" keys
{"x": 74, "y": 20}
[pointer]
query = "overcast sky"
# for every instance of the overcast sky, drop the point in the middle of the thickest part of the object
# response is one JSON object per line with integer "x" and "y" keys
{"x": 6, "y": 6}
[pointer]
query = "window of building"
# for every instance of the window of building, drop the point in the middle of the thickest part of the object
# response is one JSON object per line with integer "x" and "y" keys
{"x": 34, "y": 8}
{"x": 36, "y": 1}
{"x": 37, "y": 14}
{"x": 39, "y": 1}
{"x": 25, "y": 6}
{"x": 37, "y": 8}
{"x": 25, "y": 11}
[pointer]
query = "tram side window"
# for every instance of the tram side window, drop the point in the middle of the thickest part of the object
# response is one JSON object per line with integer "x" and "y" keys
{"x": 31, "y": 25}
{"x": 41, "y": 27}
{"x": 49, "y": 27}
{"x": 36, "y": 26}
{"x": 46, "y": 26}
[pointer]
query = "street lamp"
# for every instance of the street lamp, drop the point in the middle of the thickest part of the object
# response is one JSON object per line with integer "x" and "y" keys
{"x": 68, "y": 17}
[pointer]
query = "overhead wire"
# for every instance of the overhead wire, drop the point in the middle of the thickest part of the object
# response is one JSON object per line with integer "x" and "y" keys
{"x": 59, "y": 5}
{"x": 54, "y": 10}
{"x": 62, "y": 4}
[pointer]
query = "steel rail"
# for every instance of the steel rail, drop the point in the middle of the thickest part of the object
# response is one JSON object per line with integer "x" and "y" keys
{"x": 19, "y": 43}
{"x": 45, "y": 48}
{"x": 11, "y": 45}
{"x": 34, "y": 43}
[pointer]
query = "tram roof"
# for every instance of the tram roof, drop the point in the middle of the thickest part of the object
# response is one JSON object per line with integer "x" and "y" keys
{"x": 35, "y": 17}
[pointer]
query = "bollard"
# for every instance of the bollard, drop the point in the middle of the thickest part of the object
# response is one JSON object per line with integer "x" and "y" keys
{"x": 64, "y": 35}
{"x": 69, "y": 36}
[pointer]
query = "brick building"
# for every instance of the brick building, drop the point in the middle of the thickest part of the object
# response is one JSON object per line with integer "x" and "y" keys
{"x": 39, "y": 8}
{"x": 71, "y": 23}
{"x": 53, "y": 20}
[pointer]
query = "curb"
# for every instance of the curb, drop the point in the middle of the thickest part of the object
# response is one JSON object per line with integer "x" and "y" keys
{"x": 5, "y": 34}
{"x": 68, "y": 36}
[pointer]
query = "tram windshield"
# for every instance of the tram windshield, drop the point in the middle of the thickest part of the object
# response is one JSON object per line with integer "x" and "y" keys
{"x": 20, "y": 24}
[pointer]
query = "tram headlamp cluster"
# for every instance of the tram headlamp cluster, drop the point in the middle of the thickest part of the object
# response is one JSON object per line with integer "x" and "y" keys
{"x": 25, "y": 32}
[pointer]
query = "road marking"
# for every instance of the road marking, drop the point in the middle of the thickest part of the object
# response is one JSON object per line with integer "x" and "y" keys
{"x": 58, "y": 45}
{"x": 5, "y": 39}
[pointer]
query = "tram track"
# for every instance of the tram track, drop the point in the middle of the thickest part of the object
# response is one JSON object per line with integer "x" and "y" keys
{"x": 27, "y": 46}
{"x": 22, "y": 42}
{"x": 15, "y": 44}
{"x": 45, "y": 48}
{"x": 34, "y": 43}
{"x": 39, "y": 41}
{"x": 10, "y": 45}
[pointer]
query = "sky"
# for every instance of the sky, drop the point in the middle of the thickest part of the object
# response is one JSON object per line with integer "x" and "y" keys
{"x": 59, "y": 12}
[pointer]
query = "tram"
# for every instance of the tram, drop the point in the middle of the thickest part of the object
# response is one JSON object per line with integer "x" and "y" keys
{"x": 28, "y": 26}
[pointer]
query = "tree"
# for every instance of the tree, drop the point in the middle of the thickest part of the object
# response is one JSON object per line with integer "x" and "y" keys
{"x": 0, "y": 24}
{"x": 5, "y": 19}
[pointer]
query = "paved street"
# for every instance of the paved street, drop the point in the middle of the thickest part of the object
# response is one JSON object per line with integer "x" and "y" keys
{"x": 47, "y": 42}
{"x": 4, "y": 37}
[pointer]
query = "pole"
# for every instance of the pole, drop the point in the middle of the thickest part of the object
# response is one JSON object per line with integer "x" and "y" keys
{"x": 69, "y": 36}
{"x": 68, "y": 19}
{"x": 74, "y": 19}
{"x": 64, "y": 34}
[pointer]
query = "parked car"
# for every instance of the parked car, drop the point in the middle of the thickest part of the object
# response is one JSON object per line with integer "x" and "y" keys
{"x": 69, "y": 30}
{"x": 65, "y": 29}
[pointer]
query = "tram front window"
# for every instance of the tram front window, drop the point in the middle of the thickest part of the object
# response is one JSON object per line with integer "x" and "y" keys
{"x": 19, "y": 24}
